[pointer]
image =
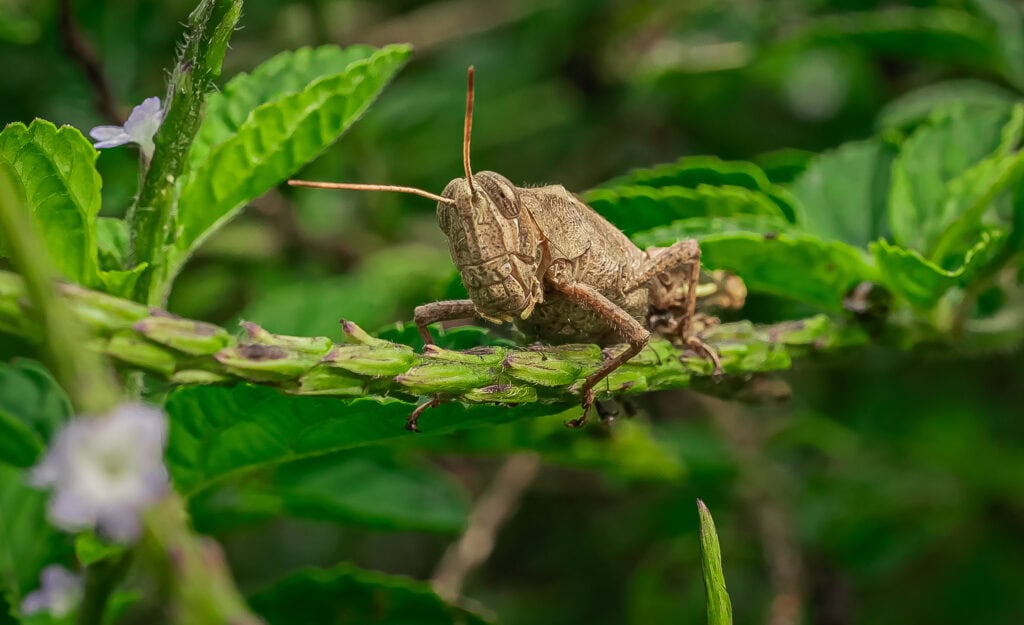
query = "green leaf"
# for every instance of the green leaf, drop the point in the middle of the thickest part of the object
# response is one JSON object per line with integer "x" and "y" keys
{"x": 692, "y": 172}
{"x": 921, "y": 281}
{"x": 719, "y": 606}
{"x": 915, "y": 107}
{"x": 370, "y": 488}
{"x": 112, "y": 239}
{"x": 633, "y": 209}
{"x": 122, "y": 283}
{"x": 32, "y": 408}
{"x": 842, "y": 194}
{"x": 216, "y": 432}
{"x": 785, "y": 165}
{"x": 57, "y": 169}
{"x": 701, "y": 227}
{"x": 798, "y": 266}
{"x": 275, "y": 140}
{"x": 346, "y": 595}
{"x": 27, "y": 542}
{"x": 795, "y": 265}
{"x": 932, "y": 178}
{"x": 90, "y": 549}
{"x": 973, "y": 195}
{"x": 285, "y": 74}
{"x": 631, "y": 449}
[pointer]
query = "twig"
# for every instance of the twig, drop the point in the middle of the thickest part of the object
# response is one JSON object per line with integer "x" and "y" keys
{"x": 79, "y": 49}
{"x": 761, "y": 488}
{"x": 494, "y": 507}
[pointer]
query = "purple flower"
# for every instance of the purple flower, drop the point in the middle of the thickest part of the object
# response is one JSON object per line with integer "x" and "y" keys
{"x": 60, "y": 593}
{"x": 140, "y": 128}
{"x": 106, "y": 471}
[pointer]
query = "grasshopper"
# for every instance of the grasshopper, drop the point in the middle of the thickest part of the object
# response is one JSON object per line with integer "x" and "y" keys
{"x": 540, "y": 258}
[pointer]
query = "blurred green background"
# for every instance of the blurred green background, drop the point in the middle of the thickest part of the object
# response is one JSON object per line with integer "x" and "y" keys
{"x": 888, "y": 489}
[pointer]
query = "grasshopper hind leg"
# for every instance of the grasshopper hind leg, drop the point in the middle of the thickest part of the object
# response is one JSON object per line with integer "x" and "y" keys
{"x": 618, "y": 319}
{"x": 672, "y": 275}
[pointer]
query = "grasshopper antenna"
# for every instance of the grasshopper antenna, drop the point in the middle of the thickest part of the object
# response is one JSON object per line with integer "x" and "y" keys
{"x": 467, "y": 131}
{"x": 351, "y": 186}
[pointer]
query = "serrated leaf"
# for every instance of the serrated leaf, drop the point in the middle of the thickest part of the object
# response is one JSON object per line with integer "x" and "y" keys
{"x": 57, "y": 169}
{"x": 932, "y": 181}
{"x": 719, "y": 607}
{"x": 700, "y": 227}
{"x": 785, "y": 165}
{"x": 216, "y": 432}
{"x": 275, "y": 140}
{"x": 284, "y": 74}
{"x": 369, "y": 488}
{"x": 978, "y": 195}
{"x": 921, "y": 281}
{"x": 843, "y": 193}
{"x": 692, "y": 172}
{"x": 32, "y": 408}
{"x": 795, "y": 265}
{"x": 347, "y": 595}
{"x": 637, "y": 208}
{"x": 27, "y": 542}
{"x": 915, "y": 107}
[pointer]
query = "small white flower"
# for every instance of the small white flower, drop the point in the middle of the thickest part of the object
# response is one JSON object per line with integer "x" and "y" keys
{"x": 140, "y": 128}
{"x": 60, "y": 593}
{"x": 105, "y": 471}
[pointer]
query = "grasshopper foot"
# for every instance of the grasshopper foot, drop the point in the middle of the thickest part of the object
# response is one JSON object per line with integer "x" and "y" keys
{"x": 588, "y": 401}
{"x": 411, "y": 422}
{"x": 699, "y": 346}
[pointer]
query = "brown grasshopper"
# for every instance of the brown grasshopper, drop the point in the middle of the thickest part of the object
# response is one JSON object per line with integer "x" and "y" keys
{"x": 542, "y": 259}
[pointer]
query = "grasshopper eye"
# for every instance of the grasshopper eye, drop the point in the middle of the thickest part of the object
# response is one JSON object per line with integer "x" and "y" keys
{"x": 501, "y": 192}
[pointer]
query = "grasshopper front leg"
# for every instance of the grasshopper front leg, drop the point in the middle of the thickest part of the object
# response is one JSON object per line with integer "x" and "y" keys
{"x": 622, "y": 322}
{"x": 447, "y": 310}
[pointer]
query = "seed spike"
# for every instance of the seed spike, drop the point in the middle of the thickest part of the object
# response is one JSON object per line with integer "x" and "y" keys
{"x": 467, "y": 130}
{"x": 352, "y": 186}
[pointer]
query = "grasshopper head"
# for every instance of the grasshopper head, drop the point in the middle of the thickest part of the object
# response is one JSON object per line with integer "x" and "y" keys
{"x": 482, "y": 212}
{"x": 496, "y": 252}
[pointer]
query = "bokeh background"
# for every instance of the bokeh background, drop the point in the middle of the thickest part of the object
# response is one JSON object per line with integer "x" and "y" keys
{"x": 888, "y": 489}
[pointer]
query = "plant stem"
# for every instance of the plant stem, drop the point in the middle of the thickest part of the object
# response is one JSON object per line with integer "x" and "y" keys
{"x": 193, "y": 352}
{"x": 195, "y": 576}
{"x": 101, "y": 579}
{"x": 150, "y": 219}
